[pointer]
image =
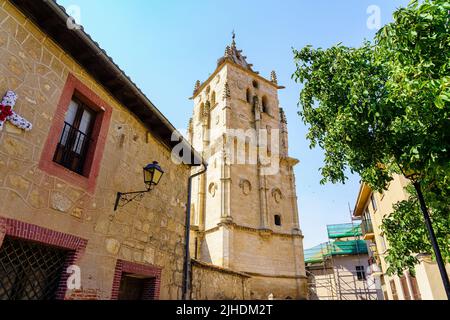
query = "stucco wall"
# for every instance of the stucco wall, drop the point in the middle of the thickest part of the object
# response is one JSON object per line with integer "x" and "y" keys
{"x": 339, "y": 281}
{"x": 427, "y": 274}
{"x": 147, "y": 232}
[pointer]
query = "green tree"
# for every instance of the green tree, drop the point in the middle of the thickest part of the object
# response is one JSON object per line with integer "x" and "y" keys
{"x": 384, "y": 108}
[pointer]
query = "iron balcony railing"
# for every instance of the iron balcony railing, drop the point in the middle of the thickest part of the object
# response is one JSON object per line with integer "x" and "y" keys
{"x": 72, "y": 149}
{"x": 366, "y": 226}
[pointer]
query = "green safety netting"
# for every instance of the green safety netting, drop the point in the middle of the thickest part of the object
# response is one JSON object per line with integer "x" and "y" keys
{"x": 317, "y": 253}
{"x": 345, "y": 230}
{"x": 336, "y": 248}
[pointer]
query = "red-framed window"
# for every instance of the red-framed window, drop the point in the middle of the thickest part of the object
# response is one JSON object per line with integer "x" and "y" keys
{"x": 77, "y": 137}
{"x": 27, "y": 243}
{"x": 134, "y": 281}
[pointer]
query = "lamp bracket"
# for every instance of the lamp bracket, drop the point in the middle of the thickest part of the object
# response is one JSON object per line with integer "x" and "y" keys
{"x": 123, "y": 198}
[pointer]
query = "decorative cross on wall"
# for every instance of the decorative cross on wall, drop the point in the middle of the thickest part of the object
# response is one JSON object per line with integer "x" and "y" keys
{"x": 7, "y": 113}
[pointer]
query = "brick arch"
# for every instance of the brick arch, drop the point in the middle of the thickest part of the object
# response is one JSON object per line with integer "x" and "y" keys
{"x": 152, "y": 289}
{"x": 30, "y": 232}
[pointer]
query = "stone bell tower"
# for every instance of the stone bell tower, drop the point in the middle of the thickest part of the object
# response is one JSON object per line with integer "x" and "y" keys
{"x": 244, "y": 210}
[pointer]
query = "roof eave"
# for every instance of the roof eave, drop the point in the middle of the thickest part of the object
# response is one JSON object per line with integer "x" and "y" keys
{"x": 363, "y": 196}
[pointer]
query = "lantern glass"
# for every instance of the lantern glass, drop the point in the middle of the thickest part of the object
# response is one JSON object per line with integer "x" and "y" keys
{"x": 148, "y": 176}
{"x": 157, "y": 176}
{"x": 153, "y": 174}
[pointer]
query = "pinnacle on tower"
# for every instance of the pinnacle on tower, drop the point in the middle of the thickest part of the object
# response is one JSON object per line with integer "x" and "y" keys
{"x": 228, "y": 52}
{"x": 197, "y": 86}
{"x": 283, "y": 118}
{"x": 226, "y": 91}
{"x": 273, "y": 77}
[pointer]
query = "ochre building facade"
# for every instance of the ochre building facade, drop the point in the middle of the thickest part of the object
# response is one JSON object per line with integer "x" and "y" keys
{"x": 372, "y": 208}
{"x": 58, "y": 215}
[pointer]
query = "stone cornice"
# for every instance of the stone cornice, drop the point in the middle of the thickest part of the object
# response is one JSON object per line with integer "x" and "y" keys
{"x": 261, "y": 232}
{"x": 290, "y": 161}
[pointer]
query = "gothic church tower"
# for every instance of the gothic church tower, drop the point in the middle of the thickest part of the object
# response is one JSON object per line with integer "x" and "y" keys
{"x": 244, "y": 210}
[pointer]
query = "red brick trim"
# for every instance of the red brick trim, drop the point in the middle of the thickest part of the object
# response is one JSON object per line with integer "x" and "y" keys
{"x": 30, "y": 232}
{"x": 88, "y": 180}
{"x": 84, "y": 294}
{"x": 152, "y": 288}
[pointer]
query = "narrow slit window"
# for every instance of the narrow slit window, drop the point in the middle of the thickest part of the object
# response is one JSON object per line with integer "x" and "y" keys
{"x": 265, "y": 105}
{"x": 249, "y": 96}
{"x": 277, "y": 220}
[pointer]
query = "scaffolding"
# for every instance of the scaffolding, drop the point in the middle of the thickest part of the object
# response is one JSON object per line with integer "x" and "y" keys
{"x": 335, "y": 248}
{"x": 345, "y": 230}
{"x": 328, "y": 280}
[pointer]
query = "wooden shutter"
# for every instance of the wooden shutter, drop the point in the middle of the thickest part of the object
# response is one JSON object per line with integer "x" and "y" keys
{"x": 405, "y": 288}
{"x": 393, "y": 290}
{"x": 414, "y": 287}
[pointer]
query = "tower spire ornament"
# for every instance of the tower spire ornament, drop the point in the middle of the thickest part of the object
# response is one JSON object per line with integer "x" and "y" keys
{"x": 233, "y": 54}
{"x": 233, "y": 43}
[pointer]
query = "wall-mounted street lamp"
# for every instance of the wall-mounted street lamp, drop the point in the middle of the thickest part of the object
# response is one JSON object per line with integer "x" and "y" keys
{"x": 152, "y": 176}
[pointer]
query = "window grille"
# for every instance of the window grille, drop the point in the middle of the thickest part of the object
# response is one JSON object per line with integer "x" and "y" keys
{"x": 30, "y": 271}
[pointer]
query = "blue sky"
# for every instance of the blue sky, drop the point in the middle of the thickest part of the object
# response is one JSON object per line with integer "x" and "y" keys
{"x": 165, "y": 46}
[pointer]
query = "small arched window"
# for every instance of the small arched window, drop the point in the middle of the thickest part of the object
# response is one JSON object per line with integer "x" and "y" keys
{"x": 255, "y": 84}
{"x": 249, "y": 96}
{"x": 265, "y": 105}
{"x": 277, "y": 220}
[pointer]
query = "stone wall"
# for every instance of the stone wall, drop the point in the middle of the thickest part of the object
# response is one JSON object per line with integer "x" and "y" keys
{"x": 214, "y": 283}
{"x": 149, "y": 232}
{"x": 281, "y": 288}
